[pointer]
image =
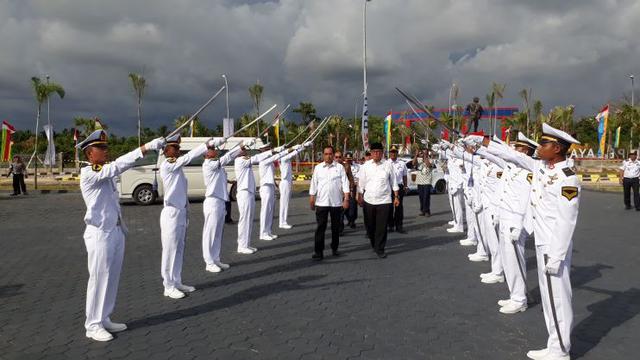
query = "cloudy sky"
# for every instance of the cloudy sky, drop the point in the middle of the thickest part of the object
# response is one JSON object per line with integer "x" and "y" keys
{"x": 577, "y": 52}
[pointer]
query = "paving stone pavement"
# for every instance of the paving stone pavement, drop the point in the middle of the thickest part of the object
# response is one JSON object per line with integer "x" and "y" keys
{"x": 425, "y": 301}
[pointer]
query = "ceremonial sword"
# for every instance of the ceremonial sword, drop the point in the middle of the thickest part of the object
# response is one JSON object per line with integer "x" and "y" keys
{"x": 553, "y": 305}
{"x": 251, "y": 123}
{"x": 196, "y": 113}
{"x": 275, "y": 121}
{"x": 422, "y": 107}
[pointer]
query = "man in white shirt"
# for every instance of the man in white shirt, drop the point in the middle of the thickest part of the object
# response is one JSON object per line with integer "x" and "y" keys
{"x": 396, "y": 214}
{"x": 376, "y": 181}
{"x": 246, "y": 197}
{"x": 213, "y": 207}
{"x": 173, "y": 218}
{"x": 629, "y": 174}
{"x": 286, "y": 182}
{"x": 328, "y": 195}
{"x": 105, "y": 230}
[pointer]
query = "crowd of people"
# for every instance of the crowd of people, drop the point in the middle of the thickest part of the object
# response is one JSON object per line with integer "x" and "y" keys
{"x": 500, "y": 194}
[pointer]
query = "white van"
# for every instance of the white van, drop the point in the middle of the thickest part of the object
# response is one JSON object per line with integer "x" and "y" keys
{"x": 138, "y": 182}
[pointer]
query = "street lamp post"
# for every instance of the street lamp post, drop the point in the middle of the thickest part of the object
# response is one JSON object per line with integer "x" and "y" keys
{"x": 633, "y": 111}
{"x": 49, "y": 130}
{"x": 365, "y": 105}
{"x": 226, "y": 89}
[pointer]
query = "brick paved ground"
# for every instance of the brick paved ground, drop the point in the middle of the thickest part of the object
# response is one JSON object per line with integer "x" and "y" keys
{"x": 425, "y": 301}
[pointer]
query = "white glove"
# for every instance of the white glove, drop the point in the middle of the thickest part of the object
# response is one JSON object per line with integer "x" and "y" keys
{"x": 277, "y": 149}
{"x": 514, "y": 235}
{"x": 552, "y": 267}
{"x": 477, "y": 207}
{"x": 248, "y": 142}
{"x": 297, "y": 147}
{"x": 215, "y": 142}
{"x": 155, "y": 144}
{"x": 307, "y": 144}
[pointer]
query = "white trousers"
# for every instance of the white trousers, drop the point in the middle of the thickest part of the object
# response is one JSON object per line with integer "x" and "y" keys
{"x": 471, "y": 222}
{"x": 105, "y": 252}
{"x": 491, "y": 240}
{"x": 512, "y": 259}
{"x": 458, "y": 209}
{"x": 482, "y": 248}
{"x": 267, "y": 204}
{"x": 246, "y": 202}
{"x": 561, "y": 287}
{"x": 173, "y": 230}
{"x": 214, "y": 212}
{"x": 285, "y": 197}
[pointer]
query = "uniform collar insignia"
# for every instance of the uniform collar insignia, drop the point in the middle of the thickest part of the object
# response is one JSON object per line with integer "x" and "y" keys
{"x": 96, "y": 167}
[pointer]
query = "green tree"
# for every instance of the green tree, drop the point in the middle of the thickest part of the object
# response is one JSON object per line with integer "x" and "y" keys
{"x": 498, "y": 92}
{"x": 307, "y": 112}
{"x": 87, "y": 125}
{"x": 139, "y": 84}
{"x": 255, "y": 91}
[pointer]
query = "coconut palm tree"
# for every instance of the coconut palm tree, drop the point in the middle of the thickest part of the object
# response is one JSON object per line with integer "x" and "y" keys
{"x": 526, "y": 98}
{"x": 307, "y": 112}
{"x": 498, "y": 91}
{"x": 139, "y": 84}
{"x": 42, "y": 92}
{"x": 88, "y": 125}
{"x": 255, "y": 91}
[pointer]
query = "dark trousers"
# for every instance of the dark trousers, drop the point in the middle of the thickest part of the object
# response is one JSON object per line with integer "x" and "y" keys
{"x": 352, "y": 212}
{"x": 396, "y": 214}
{"x": 322, "y": 215}
{"x": 627, "y": 184}
{"x": 377, "y": 217}
{"x": 424, "y": 194}
{"x": 18, "y": 184}
{"x": 227, "y": 208}
{"x": 471, "y": 122}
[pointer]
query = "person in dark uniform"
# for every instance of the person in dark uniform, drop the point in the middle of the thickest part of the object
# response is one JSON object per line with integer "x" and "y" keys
{"x": 475, "y": 111}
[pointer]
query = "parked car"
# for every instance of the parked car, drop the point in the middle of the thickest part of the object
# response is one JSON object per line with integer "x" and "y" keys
{"x": 143, "y": 184}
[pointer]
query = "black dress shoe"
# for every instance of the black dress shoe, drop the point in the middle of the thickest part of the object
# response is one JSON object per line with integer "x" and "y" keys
{"x": 352, "y": 225}
{"x": 335, "y": 253}
{"x": 317, "y": 257}
{"x": 382, "y": 255}
{"x": 401, "y": 231}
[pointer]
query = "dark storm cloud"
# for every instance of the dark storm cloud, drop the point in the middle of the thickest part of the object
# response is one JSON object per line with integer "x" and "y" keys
{"x": 308, "y": 50}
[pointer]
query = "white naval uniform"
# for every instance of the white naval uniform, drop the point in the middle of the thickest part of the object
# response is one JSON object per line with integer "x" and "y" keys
{"x": 173, "y": 218}
{"x": 468, "y": 195}
{"x": 216, "y": 194}
{"x": 286, "y": 182}
{"x": 267, "y": 170}
{"x": 245, "y": 195}
{"x": 103, "y": 236}
{"x": 455, "y": 185}
{"x": 552, "y": 217}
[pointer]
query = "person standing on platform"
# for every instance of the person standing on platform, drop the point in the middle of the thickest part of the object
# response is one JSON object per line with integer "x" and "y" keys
{"x": 213, "y": 207}
{"x": 629, "y": 178}
{"x": 105, "y": 230}
{"x": 475, "y": 111}
{"x": 396, "y": 214}
{"x": 377, "y": 181}
{"x": 424, "y": 177}
{"x": 328, "y": 196}
{"x": 173, "y": 218}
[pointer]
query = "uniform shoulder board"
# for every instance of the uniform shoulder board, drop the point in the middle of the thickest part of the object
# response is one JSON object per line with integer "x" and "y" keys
{"x": 569, "y": 192}
{"x": 530, "y": 177}
{"x": 499, "y": 174}
{"x": 96, "y": 167}
{"x": 171, "y": 160}
{"x": 568, "y": 171}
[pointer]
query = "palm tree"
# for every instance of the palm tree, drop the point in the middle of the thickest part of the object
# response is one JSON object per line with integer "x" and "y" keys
{"x": 526, "y": 98}
{"x": 498, "y": 91}
{"x": 491, "y": 99}
{"x": 537, "y": 114}
{"x": 42, "y": 92}
{"x": 88, "y": 125}
{"x": 307, "y": 112}
{"x": 255, "y": 91}
{"x": 139, "y": 84}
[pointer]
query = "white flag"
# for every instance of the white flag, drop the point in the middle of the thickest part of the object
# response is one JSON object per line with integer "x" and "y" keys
{"x": 50, "y": 156}
{"x": 365, "y": 124}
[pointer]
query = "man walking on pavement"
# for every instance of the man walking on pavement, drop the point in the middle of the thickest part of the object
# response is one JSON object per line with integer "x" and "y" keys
{"x": 328, "y": 195}
{"x": 629, "y": 178}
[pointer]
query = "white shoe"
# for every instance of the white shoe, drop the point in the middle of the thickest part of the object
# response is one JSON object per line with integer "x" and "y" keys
{"x": 252, "y": 248}
{"x": 537, "y": 354}
{"x": 484, "y": 275}
{"x": 213, "y": 268}
{"x": 493, "y": 279}
{"x": 285, "y": 226}
{"x": 455, "y": 230}
{"x": 555, "y": 357}
{"x": 99, "y": 335}
{"x": 266, "y": 238}
{"x": 173, "y": 293}
{"x": 113, "y": 327}
{"x": 451, "y": 223}
{"x": 468, "y": 242}
{"x": 222, "y": 265}
{"x": 513, "y": 308}
{"x": 186, "y": 288}
{"x": 246, "y": 251}
{"x": 504, "y": 302}
{"x": 478, "y": 258}
{"x": 273, "y": 236}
